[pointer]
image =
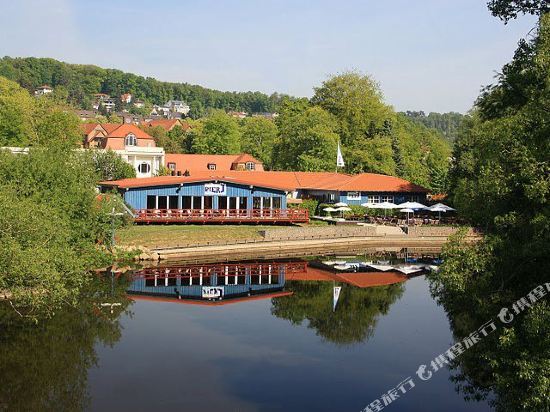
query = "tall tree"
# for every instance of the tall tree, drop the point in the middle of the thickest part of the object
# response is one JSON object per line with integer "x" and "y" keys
{"x": 258, "y": 138}
{"x": 356, "y": 101}
{"x": 500, "y": 181}
{"x": 219, "y": 134}
{"x": 307, "y": 140}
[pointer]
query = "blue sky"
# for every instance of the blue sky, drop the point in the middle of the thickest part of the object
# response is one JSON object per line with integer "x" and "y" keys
{"x": 431, "y": 55}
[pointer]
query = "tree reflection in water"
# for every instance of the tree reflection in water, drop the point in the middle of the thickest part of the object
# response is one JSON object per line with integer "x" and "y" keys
{"x": 355, "y": 317}
{"x": 44, "y": 367}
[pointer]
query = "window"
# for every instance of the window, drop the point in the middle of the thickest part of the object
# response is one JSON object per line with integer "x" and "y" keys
{"x": 276, "y": 203}
{"x": 267, "y": 203}
{"x": 374, "y": 199}
{"x": 250, "y": 166}
{"x": 173, "y": 202}
{"x": 151, "y": 202}
{"x": 208, "y": 202}
{"x": 186, "y": 202}
{"x": 232, "y": 203}
{"x": 414, "y": 198}
{"x": 387, "y": 199}
{"x": 163, "y": 202}
{"x": 256, "y": 202}
{"x": 222, "y": 202}
{"x": 211, "y": 166}
{"x": 172, "y": 166}
{"x": 131, "y": 140}
{"x": 197, "y": 202}
{"x": 243, "y": 203}
{"x": 144, "y": 168}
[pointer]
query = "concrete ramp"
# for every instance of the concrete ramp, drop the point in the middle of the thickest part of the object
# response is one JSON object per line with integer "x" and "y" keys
{"x": 389, "y": 231}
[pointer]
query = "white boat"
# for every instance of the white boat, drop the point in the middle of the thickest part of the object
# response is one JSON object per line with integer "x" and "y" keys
{"x": 382, "y": 268}
{"x": 407, "y": 270}
{"x": 382, "y": 262}
{"x": 341, "y": 267}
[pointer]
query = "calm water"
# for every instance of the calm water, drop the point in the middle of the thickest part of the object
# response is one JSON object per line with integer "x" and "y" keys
{"x": 289, "y": 353}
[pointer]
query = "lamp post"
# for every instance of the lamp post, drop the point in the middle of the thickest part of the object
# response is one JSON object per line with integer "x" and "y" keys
{"x": 113, "y": 214}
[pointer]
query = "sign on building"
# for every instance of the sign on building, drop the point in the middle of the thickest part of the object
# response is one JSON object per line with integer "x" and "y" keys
{"x": 353, "y": 196}
{"x": 212, "y": 292}
{"x": 214, "y": 189}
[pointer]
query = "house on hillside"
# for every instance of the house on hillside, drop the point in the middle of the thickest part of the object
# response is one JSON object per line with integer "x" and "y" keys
{"x": 238, "y": 115}
{"x": 178, "y": 106}
{"x": 179, "y": 164}
{"x": 42, "y": 90}
{"x": 167, "y": 124}
{"x": 129, "y": 142}
{"x": 139, "y": 103}
{"x": 126, "y": 98}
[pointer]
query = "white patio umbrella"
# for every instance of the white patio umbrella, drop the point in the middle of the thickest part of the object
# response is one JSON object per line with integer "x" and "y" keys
{"x": 343, "y": 209}
{"x": 441, "y": 205}
{"x": 407, "y": 211}
{"x": 330, "y": 209}
{"x": 412, "y": 205}
{"x": 341, "y": 204}
{"x": 383, "y": 205}
{"x": 439, "y": 209}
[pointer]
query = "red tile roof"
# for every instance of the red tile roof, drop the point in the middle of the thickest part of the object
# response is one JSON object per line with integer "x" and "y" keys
{"x": 122, "y": 130}
{"x": 167, "y": 124}
{"x": 197, "y": 177}
{"x": 360, "y": 279}
{"x": 373, "y": 182}
{"x": 200, "y": 162}
{"x": 226, "y": 301}
{"x": 287, "y": 181}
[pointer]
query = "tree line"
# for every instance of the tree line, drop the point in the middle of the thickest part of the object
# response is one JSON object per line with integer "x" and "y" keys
{"x": 77, "y": 84}
{"x": 499, "y": 180}
{"x": 447, "y": 123}
{"x": 347, "y": 108}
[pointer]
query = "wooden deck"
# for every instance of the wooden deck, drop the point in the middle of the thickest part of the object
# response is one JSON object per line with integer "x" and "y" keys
{"x": 263, "y": 216}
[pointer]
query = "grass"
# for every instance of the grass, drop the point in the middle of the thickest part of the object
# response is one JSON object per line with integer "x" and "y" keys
{"x": 172, "y": 235}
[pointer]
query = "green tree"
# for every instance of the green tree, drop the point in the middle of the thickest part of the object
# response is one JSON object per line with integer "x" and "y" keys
{"x": 258, "y": 138}
{"x": 356, "y": 102}
{"x": 510, "y": 9}
{"x": 51, "y": 227}
{"x": 110, "y": 166}
{"x": 16, "y": 109}
{"x": 219, "y": 134}
{"x": 499, "y": 180}
{"x": 307, "y": 140}
{"x": 353, "y": 321}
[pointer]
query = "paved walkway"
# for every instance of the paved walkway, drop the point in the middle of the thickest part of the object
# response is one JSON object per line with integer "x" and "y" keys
{"x": 296, "y": 248}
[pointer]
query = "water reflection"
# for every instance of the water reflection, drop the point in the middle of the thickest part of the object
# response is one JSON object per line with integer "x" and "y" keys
{"x": 265, "y": 351}
{"x": 44, "y": 367}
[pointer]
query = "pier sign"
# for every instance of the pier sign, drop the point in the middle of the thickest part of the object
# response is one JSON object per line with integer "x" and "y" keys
{"x": 214, "y": 189}
{"x": 212, "y": 292}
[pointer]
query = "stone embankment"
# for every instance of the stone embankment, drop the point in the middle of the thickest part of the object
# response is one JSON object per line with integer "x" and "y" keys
{"x": 310, "y": 241}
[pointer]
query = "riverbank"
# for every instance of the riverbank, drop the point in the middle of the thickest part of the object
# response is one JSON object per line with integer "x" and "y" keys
{"x": 270, "y": 243}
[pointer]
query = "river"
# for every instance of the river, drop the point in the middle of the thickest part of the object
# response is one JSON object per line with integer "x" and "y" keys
{"x": 259, "y": 353}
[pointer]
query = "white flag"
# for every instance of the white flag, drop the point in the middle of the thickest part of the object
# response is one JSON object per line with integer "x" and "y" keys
{"x": 339, "y": 158}
{"x": 336, "y": 295}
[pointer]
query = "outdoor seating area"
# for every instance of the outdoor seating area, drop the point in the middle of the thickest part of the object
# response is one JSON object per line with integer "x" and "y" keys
{"x": 404, "y": 214}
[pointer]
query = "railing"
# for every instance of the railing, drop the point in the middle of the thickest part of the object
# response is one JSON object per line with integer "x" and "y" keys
{"x": 221, "y": 215}
{"x": 225, "y": 269}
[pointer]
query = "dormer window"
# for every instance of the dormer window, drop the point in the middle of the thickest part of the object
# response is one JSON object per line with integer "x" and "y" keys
{"x": 250, "y": 166}
{"x": 131, "y": 140}
{"x": 211, "y": 166}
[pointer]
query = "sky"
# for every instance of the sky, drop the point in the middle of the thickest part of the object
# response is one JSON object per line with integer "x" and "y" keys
{"x": 431, "y": 55}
